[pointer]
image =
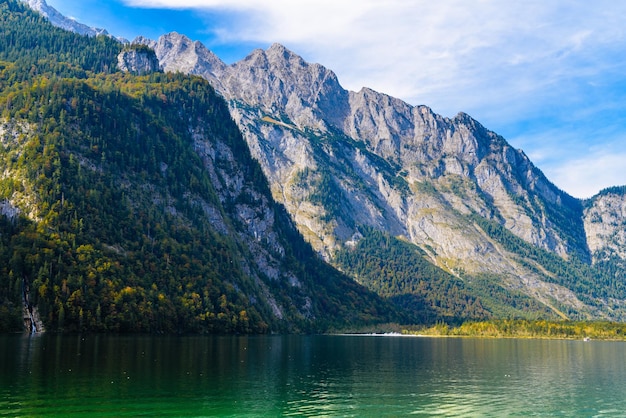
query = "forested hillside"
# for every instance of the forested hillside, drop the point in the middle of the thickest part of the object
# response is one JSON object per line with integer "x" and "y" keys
{"x": 401, "y": 271}
{"x": 132, "y": 203}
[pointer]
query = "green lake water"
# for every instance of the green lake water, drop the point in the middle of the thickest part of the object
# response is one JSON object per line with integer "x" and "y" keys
{"x": 349, "y": 376}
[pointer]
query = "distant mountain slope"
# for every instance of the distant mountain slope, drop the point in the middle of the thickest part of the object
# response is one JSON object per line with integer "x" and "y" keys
{"x": 342, "y": 162}
{"x": 133, "y": 203}
{"x": 57, "y": 19}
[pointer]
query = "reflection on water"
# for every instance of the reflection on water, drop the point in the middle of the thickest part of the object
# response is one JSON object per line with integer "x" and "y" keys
{"x": 308, "y": 376}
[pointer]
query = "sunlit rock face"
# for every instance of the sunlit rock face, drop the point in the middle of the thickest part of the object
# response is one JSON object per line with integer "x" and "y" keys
{"x": 605, "y": 225}
{"x": 138, "y": 62}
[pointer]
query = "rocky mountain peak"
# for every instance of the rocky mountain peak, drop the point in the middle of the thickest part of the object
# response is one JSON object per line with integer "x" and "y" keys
{"x": 279, "y": 79}
{"x": 177, "y": 52}
{"x": 279, "y": 49}
{"x": 294, "y": 73}
{"x": 279, "y": 56}
{"x": 273, "y": 79}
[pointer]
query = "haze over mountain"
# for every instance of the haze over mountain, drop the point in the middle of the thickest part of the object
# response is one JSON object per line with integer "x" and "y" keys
{"x": 439, "y": 215}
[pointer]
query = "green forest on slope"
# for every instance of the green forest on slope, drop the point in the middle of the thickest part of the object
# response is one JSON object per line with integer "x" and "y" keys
{"x": 111, "y": 233}
{"x": 591, "y": 283}
{"x": 400, "y": 271}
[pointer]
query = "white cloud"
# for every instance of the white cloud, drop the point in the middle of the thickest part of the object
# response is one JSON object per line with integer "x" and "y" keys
{"x": 575, "y": 162}
{"x": 585, "y": 177}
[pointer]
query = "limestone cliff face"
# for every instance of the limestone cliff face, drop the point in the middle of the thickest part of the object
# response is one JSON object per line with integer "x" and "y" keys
{"x": 503, "y": 182}
{"x": 138, "y": 61}
{"x": 340, "y": 160}
{"x": 605, "y": 224}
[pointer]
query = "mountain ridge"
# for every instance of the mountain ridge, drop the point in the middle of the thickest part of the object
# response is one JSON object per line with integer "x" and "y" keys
{"x": 58, "y": 19}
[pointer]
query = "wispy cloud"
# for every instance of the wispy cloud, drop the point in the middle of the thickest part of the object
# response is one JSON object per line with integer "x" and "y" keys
{"x": 584, "y": 177}
{"x": 520, "y": 68}
{"x": 413, "y": 49}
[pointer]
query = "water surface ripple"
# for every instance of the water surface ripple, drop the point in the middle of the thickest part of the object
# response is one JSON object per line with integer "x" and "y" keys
{"x": 309, "y": 376}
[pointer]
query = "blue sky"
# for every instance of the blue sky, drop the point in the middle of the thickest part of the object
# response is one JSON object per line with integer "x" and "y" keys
{"x": 549, "y": 76}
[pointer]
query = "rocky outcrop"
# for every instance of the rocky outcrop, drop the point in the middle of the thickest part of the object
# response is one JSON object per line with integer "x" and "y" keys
{"x": 605, "y": 224}
{"x": 9, "y": 210}
{"x": 138, "y": 60}
{"x": 32, "y": 321}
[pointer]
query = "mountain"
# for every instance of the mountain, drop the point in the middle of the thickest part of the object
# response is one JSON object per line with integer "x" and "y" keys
{"x": 131, "y": 203}
{"x": 349, "y": 165}
{"x": 439, "y": 215}
{"x": 57, "y": 19}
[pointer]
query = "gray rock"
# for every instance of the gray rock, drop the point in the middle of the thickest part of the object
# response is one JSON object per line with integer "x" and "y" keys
{"x": 605, "y": 225}
{"x": 138, "y": 61}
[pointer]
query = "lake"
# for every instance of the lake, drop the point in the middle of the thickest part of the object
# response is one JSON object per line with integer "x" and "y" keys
{"x": 349, "y": 376}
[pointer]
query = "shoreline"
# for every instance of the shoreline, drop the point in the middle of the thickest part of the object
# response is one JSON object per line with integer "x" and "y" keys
{"x": 505, "y": 328}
